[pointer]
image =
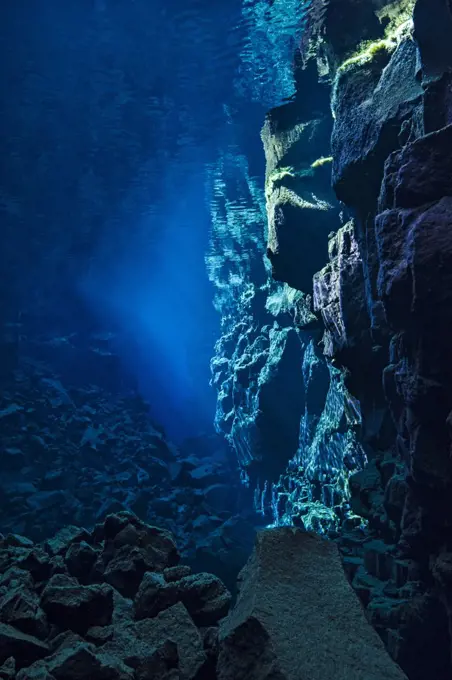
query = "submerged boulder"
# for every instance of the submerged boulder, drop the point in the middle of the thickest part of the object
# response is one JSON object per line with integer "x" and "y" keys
{"x": 73, "y": 606}
{"x": 297, "y": 617}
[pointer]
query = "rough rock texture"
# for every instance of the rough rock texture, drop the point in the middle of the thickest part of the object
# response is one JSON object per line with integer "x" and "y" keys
{"x": 205, "y": 597}
{"x": 22, "y": 647}
{"x": 75, "y": 607}
{"x": 385, "y": 300}
{"x": 298, "y": 617}
{"x": 300, "y": 203}
{"x": 67, "y": 627}
{"x": 285, "y": 411}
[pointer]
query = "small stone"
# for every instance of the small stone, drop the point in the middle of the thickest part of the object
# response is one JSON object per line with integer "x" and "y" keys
{"x": 65, "y": 640}
{"x": 155, "y": 595}
{"x": 124, "y": 528}
{"x": 8, "y": 670}
{"x": 12, "y": 459}
{"x": 137, "y": 642}
{"x": 211, "y": 647}
{"x": 220, "y": 497}
{"x": 18, "y": 541}
{"x": 21, "y": 609}
{"x": 99, "y": 635}
{"x": 157, "y": 665}
{"x": 17, "y": 578}
{"x": 61, "y": 542}
{"x": 46, "y": 500}
{"x": 210, "y": 638}
{"x": 80, "y": 559}
{"x": 125, "y": 571}
{"x": 37, "y": 671}
{"x": 442, "y": 570}
{"x": 206, "y": 598}
{"x": 83, "y": 663}
{"x": 176, "y": 573}
{"x": 58, "y": 565}
{"x": 37, "y": 562}
{"x": 123, "y": 609}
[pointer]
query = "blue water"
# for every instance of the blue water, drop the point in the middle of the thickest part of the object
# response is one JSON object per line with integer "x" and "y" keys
{"x": 111, "y": 115}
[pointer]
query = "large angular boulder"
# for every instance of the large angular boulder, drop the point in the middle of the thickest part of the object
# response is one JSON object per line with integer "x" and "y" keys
{"x": 297, "y": 617}
{"x": 75, "y": 607}
{"x": 132, "y": 548}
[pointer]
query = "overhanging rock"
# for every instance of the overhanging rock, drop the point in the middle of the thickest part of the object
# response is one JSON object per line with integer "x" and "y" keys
{"x": 297, "y": 617}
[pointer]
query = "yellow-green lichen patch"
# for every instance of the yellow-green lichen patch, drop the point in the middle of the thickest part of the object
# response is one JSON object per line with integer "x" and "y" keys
{"x": 320, "y": 162}
{"x": 367, "y": 53}
{"x": 370, "y": 51}
{"x": 280, "y": 176}
{"x": 285, "y": 195}
{"x": 396, "y": 14}
{"x": 281, "y": 173}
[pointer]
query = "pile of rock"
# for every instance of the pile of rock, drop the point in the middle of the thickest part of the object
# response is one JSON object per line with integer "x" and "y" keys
{"x": 110, "y": 604}
{"x": 72, "y": 455}
{"x": 115, "y": 604}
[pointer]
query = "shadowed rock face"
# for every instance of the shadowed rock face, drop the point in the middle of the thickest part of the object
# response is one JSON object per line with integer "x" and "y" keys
{"x": 300, "y": 204}
{"x": 280, "y": 405}
{"x": 385, "y": 298}
{"x": 298, "y": 617}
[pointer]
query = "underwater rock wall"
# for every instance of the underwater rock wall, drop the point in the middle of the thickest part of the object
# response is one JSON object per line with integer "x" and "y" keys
{"x": 284, "y": 410}
{"x": 385, "y": 300}
{"x": 360, "y": 298}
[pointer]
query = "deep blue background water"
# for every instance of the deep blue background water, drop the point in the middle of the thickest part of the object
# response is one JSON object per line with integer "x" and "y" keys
{"x": 111, "y": 112}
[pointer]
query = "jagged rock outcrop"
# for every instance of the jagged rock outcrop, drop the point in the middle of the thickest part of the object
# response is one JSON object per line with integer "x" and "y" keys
{"x": 284, "y": 410}
{"x": 297, "y": 617}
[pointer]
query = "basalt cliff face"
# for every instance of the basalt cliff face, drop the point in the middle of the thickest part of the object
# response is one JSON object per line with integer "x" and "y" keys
{"x": 354, "y": 360}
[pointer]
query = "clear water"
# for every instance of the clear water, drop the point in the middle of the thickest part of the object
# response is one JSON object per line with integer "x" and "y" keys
{"x": 113, "y": 115}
